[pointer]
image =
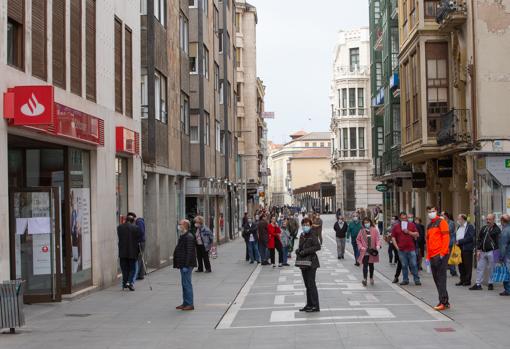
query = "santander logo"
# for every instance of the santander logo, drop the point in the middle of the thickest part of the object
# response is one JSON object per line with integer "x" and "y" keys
{"x": 32, "y": 107}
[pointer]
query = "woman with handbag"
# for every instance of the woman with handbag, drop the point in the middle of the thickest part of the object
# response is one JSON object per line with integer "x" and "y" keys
{"x": 275, "y": 242}
{"x": 308, "y": 262}
{"x": 369, "y": 244}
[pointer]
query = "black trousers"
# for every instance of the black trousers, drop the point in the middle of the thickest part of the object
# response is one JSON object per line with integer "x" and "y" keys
{"x": 392, "y": 251}
{"x": 366, "y": 267}
{"x": 399, "y": 265}
{"x": 278, "y": 247}
{"x": 312, "y": 295}
{"x": 203, "y": 258}
{"x": 439, "y": 267}
{"x": 141, "y": 267}
{"x": 466, "y": 267}
{"x": 128, "y": 267}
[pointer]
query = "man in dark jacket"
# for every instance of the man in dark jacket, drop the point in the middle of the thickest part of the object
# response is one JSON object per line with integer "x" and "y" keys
{"x": 340, "y": 232}
{"x": 128, "y": 235}
{"x": 486, "y": 244}
{"x": 465, "y": 237}
{"x": 140, "y": 268}
{"x": 185, "y": 259}
{"x": 262, "y": 227}
{"x": 251, "y": 237}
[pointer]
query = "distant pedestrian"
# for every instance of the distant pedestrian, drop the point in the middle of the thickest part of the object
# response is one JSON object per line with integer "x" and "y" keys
{"x": 369, "y": 244}
{"x": 465, "y": 238}
{"x": 451, "y": 227}
{"x": 204, "y": 241}
{"x": 340, "y": 228}
{"x": 139, "y": 266}
{"x": 420, "y": 242}
{"x": 128, "y": 235}
{"x": 293, "y": 225}
{"x": 185, "y": 259}
{"x": 352, "y": 232}
{"x": 438, "y": 239}
{"x": 308, "y": 262}
{"x": 262, "y": 228}
{"x": 285, "y": 238}
{"x": 275, "y": 242}
{"x": 486, "y": 244}
{"x": 504, "y": 249}
{"x": 317, "y": 226}
{"x": 403, "y": 236}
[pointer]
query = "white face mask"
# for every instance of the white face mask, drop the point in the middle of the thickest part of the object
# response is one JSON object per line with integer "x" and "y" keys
{"x": 432, "y": 215}
{"x": 367, "y": 225}
{"x": 197, "y": 225}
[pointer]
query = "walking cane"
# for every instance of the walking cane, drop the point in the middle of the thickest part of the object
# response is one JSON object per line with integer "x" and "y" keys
{"x": 145, "y": 267}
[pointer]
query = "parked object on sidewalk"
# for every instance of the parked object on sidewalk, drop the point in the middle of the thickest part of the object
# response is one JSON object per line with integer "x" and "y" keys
{"x": 500, "y": 273}
{"x": 11, "y": 304}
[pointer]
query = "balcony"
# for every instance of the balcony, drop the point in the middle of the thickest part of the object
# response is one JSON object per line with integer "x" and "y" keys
{"x": 361, "y": 71}
{"x": 451, "y": 14}
{"x": 350, "y": 112}
{"x": 349, "y": 155}
{"x": 454, "y": 128}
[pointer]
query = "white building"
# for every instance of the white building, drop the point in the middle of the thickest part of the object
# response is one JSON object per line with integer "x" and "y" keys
{"x": 350, "y": 122}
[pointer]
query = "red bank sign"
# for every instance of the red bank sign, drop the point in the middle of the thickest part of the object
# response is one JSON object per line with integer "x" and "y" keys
{"x": 127, "y": 141}
{"x": 29, "y": 105}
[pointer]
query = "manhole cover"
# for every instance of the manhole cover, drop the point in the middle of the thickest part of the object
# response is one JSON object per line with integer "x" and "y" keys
{"x": 444, "y": 329}
{"x": 78, "y": 315}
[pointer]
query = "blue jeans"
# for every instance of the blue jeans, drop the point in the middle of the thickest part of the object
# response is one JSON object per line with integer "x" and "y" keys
{"x": 253, "y": 251}
{"x": 506, "y": 284}
{"x": 408, "y": 260}
{"x": 187, "y": 287}
{"x": 285, "y": 250}
{"x": 355, "y": 249}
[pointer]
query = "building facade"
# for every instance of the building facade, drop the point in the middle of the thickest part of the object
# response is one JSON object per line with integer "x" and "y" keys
{"x": 351, "y": 122}
{"x": 69, "y": 141}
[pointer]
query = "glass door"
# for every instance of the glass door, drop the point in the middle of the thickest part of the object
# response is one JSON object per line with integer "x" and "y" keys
{"x": 35, "y": 242}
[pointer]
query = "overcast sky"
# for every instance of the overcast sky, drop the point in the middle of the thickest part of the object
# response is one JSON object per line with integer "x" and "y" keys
{"x": 295, "y": 41}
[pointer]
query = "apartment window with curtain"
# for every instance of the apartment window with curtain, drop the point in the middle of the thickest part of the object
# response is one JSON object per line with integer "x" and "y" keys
{"x": 160, "y": 97}
{"x": 15, "y": 33}
{"x": 218, "y": 136}
{"x": 354, "y": 58}
{"x": 222, "y": 92}
{"x": 183, "y": 33}
{"x": 194, "y": 130}
{"x": 59, "y": 43}
{"x": 193, "y": 54}
{"x": 39, "y": 49}
{"x": 344, "y": 102}
{"x": 128, "y": 70}
{"x": 352, "y": 101}
{"x": 90, "y": 48}
{"x": 361, "y": 101}
{"x": 76, "y": 47}
{"x": 430, "y": 7}
{"x": 437, "y": 83}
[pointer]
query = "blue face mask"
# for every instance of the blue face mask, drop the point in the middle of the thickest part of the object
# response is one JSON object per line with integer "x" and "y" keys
{"x": 306, "y": 229}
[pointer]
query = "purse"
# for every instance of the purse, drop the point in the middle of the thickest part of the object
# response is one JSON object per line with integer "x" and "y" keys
{"x": 371, "y": 251}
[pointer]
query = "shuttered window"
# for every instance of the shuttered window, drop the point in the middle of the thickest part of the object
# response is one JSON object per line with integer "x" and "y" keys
{"x": 90, "y": 47}
{"x": 59, "y": 43}
{"x": 118, "y": 65}
{"x": 128, "y": 71}
{"x": 15, "y": 35}
{"x": 39, "y": 39}
{"x": 76, "y": 47}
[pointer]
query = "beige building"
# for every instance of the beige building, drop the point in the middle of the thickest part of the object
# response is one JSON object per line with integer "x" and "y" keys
{"x": 454, "y": 83}
{"x": 351, "y": 122}
{"x": 311, "y": 166}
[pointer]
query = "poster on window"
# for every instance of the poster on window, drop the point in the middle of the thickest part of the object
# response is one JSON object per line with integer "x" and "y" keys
{"x": 40, "y": 204}
{"x": 41, "y": 249}
{"x": 80, "y": 229}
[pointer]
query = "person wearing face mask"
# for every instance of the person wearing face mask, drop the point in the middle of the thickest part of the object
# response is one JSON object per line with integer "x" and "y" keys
{"x": 369, "y": 244}
{"x": 250, "y": 234}
{"x": 262, "y": 229}
{"x": 438, "y": 240}
{"x": 185, "y": 260}
{"x": 465, "y": 237}
{"x": 392, "y": 252}
{"x": 204, "y": 240}
{"x": 275, "y": 242}
{"x": 404, "y": 236}
{"x": 340, "y": 232}
{"x": 352, "y": 232}
{"x": 308, "y": 262}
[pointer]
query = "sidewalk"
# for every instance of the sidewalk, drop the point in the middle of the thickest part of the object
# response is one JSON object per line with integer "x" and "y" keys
{"x": 112, "y": 318}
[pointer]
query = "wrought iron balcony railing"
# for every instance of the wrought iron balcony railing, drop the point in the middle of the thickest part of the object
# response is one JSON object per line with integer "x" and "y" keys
{"x": 455, "y": 127}
{"x": 451, "y": 14}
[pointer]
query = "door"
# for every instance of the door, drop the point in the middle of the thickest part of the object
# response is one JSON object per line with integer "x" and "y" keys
{"x": 35, "y": 242}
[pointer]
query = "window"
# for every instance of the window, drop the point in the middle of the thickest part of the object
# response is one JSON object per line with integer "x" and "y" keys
{"x": 194, "y": 134}
{"x": 361, "y": 101}
{"x": 314, "y": 144}
{"x": 307, "y": 144}
{"x": 183, "y": 33}
{"x": 144, "y": 95}
{"x": 222, "y": 142}
{"x": 354, "y": 58}
{"x": 206, "y": 7}
{"x": 352, "y": 101}
{"x": 216, "y": 20}
{"x": 118, "y": 66}
{"x": 59, "y": 43}
{"x": 193, "y": 3}
{"x": 345, "y": 142}
{"x": 437, "y": 83}
{"x": 39, "y": 39}
{"x": 206, "y": 63}
{"x": 207, "y": 128}
{"x": 352, "y": 143}
{"x": 344, "y": 102}
{"x": 238, "y": 22}
{"x": 184, "y": 113}
{"x": 322, "y": 144}
{"x": 15, "y": 35}
{"x": 227, "y": 44}
{"x": 218, "y": 136}
{"x": 128, "y": 71}
{"x": 239, "y": 92}
{"x": 216, "y": 76}
{"x": 222, "y": 96}
{"x": 380, "y": 141}
{"x": 430, "y": 8}
{"x": 160, "y": 97}
{"x": 378, "y": 75}
{"x": 90, "y": 48}
{"x": 220, "y": 41}
{"x": 229, "y": 94}
{"x": 238, "y": 57}
{"x": 160, "y": 11}
{"x": 193, "y": 53}
{"x": 361, "y": 142}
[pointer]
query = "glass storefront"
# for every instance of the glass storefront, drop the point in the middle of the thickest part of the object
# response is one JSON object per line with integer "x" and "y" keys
{"x": 121, "y": 176}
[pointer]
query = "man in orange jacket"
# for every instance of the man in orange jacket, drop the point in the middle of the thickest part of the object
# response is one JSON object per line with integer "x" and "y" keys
{"x": 438, "y": 239}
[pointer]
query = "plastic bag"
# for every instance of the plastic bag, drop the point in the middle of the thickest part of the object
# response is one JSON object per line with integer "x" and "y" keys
{"x": 455, "y": 256}
{"x": 500, "y": 273}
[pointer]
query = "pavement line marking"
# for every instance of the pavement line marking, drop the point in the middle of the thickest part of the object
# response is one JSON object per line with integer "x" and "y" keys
{"x": 230, "y": 315}
{"x": 300, "y": 305}
{"x": 423, "y": 306}
{"x": 367, "y": 313}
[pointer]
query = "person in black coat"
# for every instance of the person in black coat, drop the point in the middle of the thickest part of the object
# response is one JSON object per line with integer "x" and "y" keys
{"x": 465, "y": 237}
{"x": 185, "y": 259}
{"x": 128, "y": 235}
{"x": 420, "y": 242}
{"x": 340, "y": 232}
{"x": 251, "y": 237}
{"x": 308, "y": 246}
{"x": 262, "y": 227}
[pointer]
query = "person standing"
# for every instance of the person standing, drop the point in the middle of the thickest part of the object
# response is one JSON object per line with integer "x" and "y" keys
{"x": 262, "y": 228}
{"x": 246, "y": 236}
{"x": 465, "y": 237}
{"x": 293, "y": 225}
{"x": 368, "y": 243}
{"x": 204, "y": 241}
{"x": 403, "y": 236}
{"x": 486, "y": 244}
{"x": 128, "y": 235}
{"x": 340, "y": 228}
{"x": 451, "y": 227}
{"x": 185, "y": 259}
{"x": 285, "y": 238}
{"x": 352, "y": 232}
{"x": 504, "y": 249}
{"x": 307, "y": 253}
{"x": 438, "y": 240}
{"x": 317, "y": 226}
{"x": 275, "y": 242}
{"x": 379, "y": 219}
{"x": 420, "y": 242}
{"x": 252, "y": 237}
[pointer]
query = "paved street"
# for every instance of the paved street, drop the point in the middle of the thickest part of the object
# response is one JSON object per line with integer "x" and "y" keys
{"x": 241, "y": 306}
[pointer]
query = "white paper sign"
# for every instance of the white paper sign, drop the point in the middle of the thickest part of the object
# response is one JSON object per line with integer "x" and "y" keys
{"x": 41, "y": 254}
{"x": 40, "y": 204}
{"x": 80, "y": 228}
{"x": 21, "y": 225}
{"x": 39, "y": 225}
{"x": 404, "y": 225}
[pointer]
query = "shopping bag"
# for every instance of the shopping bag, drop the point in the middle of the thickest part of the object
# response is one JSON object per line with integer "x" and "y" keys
{"x": 455, "y": 256}
{"x": 500, "y": 273}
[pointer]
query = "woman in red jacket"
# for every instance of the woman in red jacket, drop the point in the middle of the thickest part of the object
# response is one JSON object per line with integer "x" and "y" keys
{"x": 274, "y": 233}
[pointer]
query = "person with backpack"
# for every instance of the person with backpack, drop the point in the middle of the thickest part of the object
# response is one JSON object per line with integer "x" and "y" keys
{"x": 369, "y": 244}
